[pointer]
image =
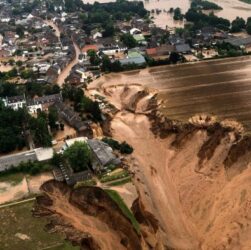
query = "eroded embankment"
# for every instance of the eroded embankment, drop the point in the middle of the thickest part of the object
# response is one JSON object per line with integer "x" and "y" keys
{"x": 87, "y": 216}
{"x": 193, "y": 179}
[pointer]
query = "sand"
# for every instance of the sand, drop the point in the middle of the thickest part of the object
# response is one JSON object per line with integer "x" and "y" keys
{"x": 9, "y": 192}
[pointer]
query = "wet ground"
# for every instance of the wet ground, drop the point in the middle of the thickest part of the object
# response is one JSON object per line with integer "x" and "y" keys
{"x": 220, "y": 87}
{"x": 231, "y": 9}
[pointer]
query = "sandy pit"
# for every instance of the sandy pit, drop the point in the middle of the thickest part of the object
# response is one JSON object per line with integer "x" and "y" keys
{"x": 193, "y": 178}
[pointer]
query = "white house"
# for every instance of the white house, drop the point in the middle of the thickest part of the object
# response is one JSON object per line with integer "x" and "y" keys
{"x": 97, "y": 35}
{"x": 15, "y": 102}
{"x": 135, "y": 31}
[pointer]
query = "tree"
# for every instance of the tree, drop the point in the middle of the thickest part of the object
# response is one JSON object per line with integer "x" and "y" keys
{"x": 177, "y": 14}
{"x": 108, "y": 29}
{"x": 78, "y": 156}
{"x": 40, "y": 131}
{"x": 20, "y": 31}
{"x": 174, "y": 57}
{"x": 53, "y": 117}
{"x": 94, "y": 59}
{"x": 238, "y": 24}
{"x": 248, "y": 26}
{"x": 125, "y": 148}
{"x": 129, "y": 40}
{"x": 106, "y": 64}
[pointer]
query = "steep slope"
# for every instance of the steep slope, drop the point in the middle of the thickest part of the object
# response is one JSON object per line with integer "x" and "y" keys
{"x": 87, "y": 216}
{"x": 193, "y": 178}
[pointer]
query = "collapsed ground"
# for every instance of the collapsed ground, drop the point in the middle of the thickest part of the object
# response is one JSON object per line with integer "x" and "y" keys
{"x": 194, "y": 179}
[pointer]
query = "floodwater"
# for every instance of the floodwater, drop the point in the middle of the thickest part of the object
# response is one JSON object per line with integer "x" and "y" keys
{"x": 66, "y": 71}
{"x": 231, "y": 9}
{"x": 217, "y": 87}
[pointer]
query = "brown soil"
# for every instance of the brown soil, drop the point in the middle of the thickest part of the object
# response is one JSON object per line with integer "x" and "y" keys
{"x": 193, "y": 179}
{"x": 87, "y": 216}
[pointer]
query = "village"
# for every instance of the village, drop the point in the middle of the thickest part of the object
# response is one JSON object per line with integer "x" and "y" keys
{"x": 48, "y": 51}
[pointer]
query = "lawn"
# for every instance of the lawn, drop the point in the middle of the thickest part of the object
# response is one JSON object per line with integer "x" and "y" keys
{"x": 18, "y": 220}
{"x": 120, "y": 182}
{"x": 116, "y": 176}
{"x": 14, "y": 178}
{"x": 126, "y": 211}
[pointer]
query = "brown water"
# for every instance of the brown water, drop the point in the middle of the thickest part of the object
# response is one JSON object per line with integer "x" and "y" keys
{"x": 231, "y": 9}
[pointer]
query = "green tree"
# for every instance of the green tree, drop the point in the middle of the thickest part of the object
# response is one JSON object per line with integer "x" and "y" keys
{"x": 177, "y": 14}
{"x": 129, "y": 40}
{"x": 238, "y": 24}
{"x": 78, "y": 156}
{"x": 94, "y": 59}
{"x": 53, "y": 117}
{"x": 248, "y": 26}
{"x": 40, "y": 131}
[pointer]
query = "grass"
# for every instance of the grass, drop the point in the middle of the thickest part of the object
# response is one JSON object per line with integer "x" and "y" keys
{"x": 113, "y": 177}
{"x": 121, "y": 182}
{"x": 13, "y": 178}
{"x": 90, "y": 182}
{"x": 246, "y": 1}
{"x": 126, "y": 211}
{"x": 18, "y": 219}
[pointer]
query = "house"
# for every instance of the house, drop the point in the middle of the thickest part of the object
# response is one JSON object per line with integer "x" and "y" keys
{"x": 72, "y": 118}
{"x": 4, "y": 53}
{"x": 160, "y": 53}
{"x": 140, "y": 39}
{"x": 10, "y": 37}
{"x": 70, "y": 142}
{"x": 183, "y": 48}
{"x": 96, "y": 34}
{"x": 133, "y": 57}
{"x": 135, "y": 31}
{"x": 175, "y": 40}
{"x": 42, "y": 103}
{"x": 240, "y": 42}
{"x": 15, "y": 102}
{"x": 89, "y": 47}
{"x": 102, "y": 155}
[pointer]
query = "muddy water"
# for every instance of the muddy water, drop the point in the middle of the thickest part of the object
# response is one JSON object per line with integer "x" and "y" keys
{"x": 231, "y": 9}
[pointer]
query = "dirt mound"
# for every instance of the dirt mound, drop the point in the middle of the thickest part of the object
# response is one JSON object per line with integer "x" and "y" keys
{"x": 88, "y": 217}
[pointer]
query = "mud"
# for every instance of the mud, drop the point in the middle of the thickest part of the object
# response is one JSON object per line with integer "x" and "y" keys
{"x": 87, "y": 216}
{"x": 192, "y": 177}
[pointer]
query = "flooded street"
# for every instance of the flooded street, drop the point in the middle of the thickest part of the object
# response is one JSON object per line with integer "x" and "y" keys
{"x": 231, "y": 9}
{"x": 220, "y": 87}
{"x": 66, "y": 71}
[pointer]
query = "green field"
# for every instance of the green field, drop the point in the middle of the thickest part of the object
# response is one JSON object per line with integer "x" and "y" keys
{"x": 246, "y": 1}
{"x": 126, "y": 211}
{"x": 18, "y": 220}
{"x": 14, "y": 178}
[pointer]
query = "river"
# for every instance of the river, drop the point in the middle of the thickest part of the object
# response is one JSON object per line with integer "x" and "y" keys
{"x": 231, "y": 9}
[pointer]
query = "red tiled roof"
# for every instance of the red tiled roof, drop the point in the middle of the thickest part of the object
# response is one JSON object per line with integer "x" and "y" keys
{"x": 151, "y": 51}
{"x": 90, "y": 47}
